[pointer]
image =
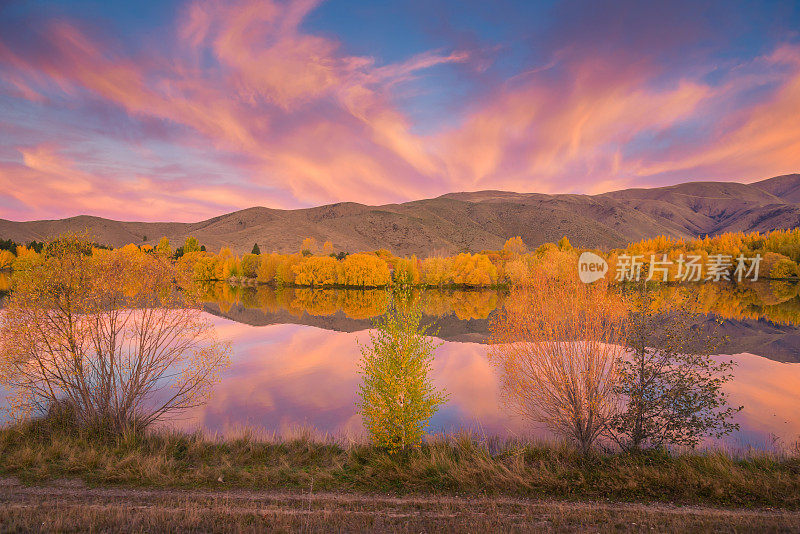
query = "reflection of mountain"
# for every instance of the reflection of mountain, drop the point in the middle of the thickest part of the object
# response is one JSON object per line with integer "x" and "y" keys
{"x": 475, "y": 221}
{"x": 451, "y": 328}
{"x": 755, "y": 336}
{"x": 780, "y": 343}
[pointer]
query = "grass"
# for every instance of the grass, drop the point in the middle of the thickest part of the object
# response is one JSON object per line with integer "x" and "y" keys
{"x": 78, "y": 510}
{"x": 42, "y": 451}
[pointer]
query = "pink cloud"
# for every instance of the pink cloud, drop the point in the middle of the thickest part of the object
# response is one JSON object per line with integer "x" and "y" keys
{"x": 287, "y": 118}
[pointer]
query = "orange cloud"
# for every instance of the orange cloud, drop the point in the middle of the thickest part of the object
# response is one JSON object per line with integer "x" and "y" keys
{"x": 286, "y": 118}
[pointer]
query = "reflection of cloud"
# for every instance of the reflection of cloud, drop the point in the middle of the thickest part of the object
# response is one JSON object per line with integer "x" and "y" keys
{"x": 244, "y": 105}
{"x": 287, "y": 375}
{"x": 770, "y": 396}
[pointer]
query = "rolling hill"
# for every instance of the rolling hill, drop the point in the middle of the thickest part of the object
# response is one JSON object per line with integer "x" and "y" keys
{"x": 468, "y": 221}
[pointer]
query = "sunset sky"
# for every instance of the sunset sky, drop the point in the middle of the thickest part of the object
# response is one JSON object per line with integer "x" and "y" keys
{"x": 180, "y": 111}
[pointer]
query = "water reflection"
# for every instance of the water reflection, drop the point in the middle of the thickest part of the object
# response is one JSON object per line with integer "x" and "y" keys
{"x": 284, "y": 376}
{"x": 775, "y": 301}
{"x": 760, "y": 318}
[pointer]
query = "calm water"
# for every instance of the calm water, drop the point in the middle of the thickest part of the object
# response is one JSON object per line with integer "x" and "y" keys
{"x": 295, "y": 357}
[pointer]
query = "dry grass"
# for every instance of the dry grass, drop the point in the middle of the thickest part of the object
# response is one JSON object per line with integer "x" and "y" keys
{"x": 70, "y": 509}
{"x": 41, "y": 451}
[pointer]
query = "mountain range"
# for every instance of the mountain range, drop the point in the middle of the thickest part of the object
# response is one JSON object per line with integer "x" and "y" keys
{"x": 470, "y": 221}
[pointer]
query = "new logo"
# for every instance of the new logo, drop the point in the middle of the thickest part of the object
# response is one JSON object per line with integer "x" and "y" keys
{"x": 591, "y": 267}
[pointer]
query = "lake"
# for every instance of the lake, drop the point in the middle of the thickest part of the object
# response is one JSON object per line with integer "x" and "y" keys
{"x": 296, "y": 354}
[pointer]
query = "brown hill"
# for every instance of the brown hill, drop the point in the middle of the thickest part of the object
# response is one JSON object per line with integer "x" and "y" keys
{"x": 469, "y": 221}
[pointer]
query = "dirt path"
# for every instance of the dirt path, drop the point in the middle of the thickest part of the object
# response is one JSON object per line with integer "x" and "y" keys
{"x": 70, "y": 506}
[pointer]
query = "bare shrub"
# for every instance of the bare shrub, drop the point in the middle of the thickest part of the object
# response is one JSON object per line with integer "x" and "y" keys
{"x": 556, "y": 346}
{"x": 108, "y": 333}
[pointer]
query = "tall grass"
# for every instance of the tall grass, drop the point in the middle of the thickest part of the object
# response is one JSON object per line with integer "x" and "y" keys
{"x": 46, "y": 450}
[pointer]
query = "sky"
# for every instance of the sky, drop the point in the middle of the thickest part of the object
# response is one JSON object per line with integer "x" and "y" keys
{"x": 183, "y": 110}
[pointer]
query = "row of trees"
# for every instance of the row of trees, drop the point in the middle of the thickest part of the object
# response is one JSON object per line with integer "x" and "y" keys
{"x": 591, "y": 364}
{"x": 116, "y": 337}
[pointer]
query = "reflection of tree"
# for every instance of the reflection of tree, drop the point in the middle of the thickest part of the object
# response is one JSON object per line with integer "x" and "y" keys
{"x": 556, "y": 348}
{"x": 315, "y": 302}
{"x": 363, "y": 304}
{"x": 473, "y": 304}
{"x": 773, "y": 300}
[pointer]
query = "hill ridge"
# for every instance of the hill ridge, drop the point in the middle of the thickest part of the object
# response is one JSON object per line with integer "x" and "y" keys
{"x": 469, "y": 220}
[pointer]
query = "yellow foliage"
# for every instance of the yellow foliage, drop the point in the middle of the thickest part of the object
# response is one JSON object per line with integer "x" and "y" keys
{"x": 364, "y": 270}
{"x": 316, "y": 271}
{"x": 6, "y": 259}
{"x": 406, "y": 271}
{"x": 474, "y": 270}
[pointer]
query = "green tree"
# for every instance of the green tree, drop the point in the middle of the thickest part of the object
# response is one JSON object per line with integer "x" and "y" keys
{"x": 191, "y": 245}
{"x": 397, "y": 396}
{"x": 255, "y": 250}
{"x": 163, "y": 247}
{"x": 669, "y": 385}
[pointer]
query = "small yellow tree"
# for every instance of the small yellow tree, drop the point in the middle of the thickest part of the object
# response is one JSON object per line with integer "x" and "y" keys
{"x": 309, "y": 246}
{"x": 397, "y": 395}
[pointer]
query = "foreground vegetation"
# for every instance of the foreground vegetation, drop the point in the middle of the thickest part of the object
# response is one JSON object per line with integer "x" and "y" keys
{"x": 45, "y": 450}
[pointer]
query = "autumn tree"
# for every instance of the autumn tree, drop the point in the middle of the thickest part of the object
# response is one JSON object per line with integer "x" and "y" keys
{"x": 327, "y": 248}
{"x": 406, "y": 271}
{"x": 436, "y": 271}
{"x": 316, "y": 271}
{"x": 473, "y": 270}
{"x": 671, "y": 389}
{"x": 364, "y": 270}
{"x": 191, "y": 245}
{"x": 108, "y": 335}
{"x": 556, "y": 346}
{"x": 163, "y": 248}
{"x": 309, "y": 246}
{"x": 6, "y": 259}
{"x": 250, "y": 265}
{"x": 268, "y": 267}
{"x": 397, "y": 395}
{"x": 514, "y": 246}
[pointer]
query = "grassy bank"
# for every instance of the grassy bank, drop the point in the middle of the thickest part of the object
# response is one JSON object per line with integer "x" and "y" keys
{"x": 39, "y": 452}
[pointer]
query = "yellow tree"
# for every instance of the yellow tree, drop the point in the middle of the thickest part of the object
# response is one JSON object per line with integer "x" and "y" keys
{"x": 364, "y": 270}
{"x": 406, "y": 271}
{"x": 397, "y": 395}
{"x": 163, "y": 248}
{"x": 514, "y": 246}
{"x": 107, "y": 336}
{"x": 309, "y": 246}
{"x": 268, "y": 267}
{"x": 327, "y": 248}
{"x": 191, "y": 245}
{"x": 556, "y": 345}
{"x": 316, "y": 271}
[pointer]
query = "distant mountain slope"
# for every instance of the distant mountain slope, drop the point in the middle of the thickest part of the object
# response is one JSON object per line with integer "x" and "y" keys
{"x": 469, "y": 221}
